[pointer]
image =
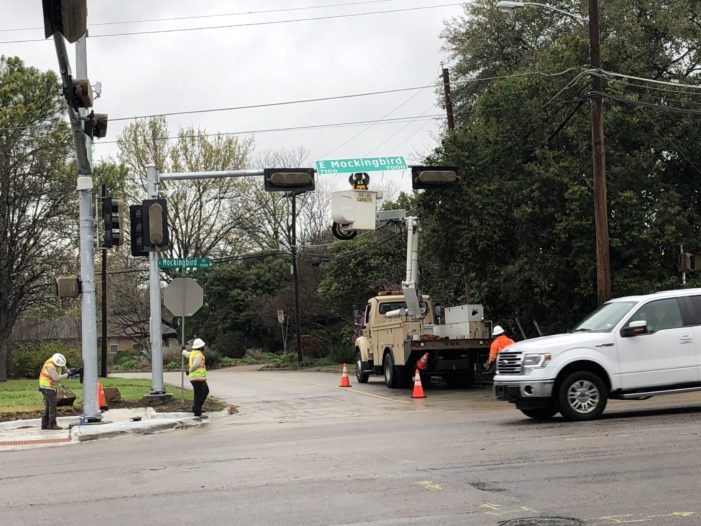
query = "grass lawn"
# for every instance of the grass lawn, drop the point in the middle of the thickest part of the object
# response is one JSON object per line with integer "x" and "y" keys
{"x": 24, "y": 395}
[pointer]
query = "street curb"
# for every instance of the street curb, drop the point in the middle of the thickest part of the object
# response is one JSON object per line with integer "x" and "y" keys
{"x": 98, "y": 431}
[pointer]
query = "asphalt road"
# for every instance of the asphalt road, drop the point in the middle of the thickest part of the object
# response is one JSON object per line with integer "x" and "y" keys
{"x": 304, "y": 451}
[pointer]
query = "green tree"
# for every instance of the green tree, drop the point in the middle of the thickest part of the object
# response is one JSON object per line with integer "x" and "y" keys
{"x": 521, "y": 224}
{"x": 37, "y": 192}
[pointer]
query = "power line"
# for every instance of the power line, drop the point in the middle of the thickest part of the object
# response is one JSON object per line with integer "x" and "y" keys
{"x": 251, "y": 24}
{"x": 239, "y": 13}
{"x": 273, "y": 104}
{"x": 291, "y": 128}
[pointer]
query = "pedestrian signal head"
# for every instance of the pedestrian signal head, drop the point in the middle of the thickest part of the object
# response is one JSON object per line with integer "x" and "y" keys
{"x": 59, "y": 359}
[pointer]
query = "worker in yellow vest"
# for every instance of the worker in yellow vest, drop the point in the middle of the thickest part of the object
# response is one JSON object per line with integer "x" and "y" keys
{"x": 197, "y": 374}
{"x": 51, "y": 374}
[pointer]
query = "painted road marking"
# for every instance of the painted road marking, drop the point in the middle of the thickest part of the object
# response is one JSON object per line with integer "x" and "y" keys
{"x": 430, "y": 485}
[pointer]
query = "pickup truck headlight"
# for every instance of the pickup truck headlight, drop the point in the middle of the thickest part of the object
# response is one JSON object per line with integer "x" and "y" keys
{"x": 534, "y": 361}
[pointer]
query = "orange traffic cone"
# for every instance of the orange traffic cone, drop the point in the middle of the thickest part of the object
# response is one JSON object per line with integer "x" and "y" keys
{"x": 101, "y": 400}
{"x": 345, "y": 382}
{"x": 418, "y": 388}
{"x": 422, "y": 362}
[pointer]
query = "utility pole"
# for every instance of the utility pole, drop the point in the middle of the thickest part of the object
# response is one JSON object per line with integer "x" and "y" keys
{"x": 448, "y": 99}
{"x": 603, "y": 260}
{"x": 295, "y": 277}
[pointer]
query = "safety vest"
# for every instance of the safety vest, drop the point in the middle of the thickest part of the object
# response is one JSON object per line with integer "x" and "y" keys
{"x": 45, "y": 379}
{"x": 200, "y": 373}
{"x": 500, "y": 342}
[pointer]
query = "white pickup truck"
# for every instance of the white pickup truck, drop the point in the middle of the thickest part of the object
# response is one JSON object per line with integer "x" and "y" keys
{"x": 629, "y": 348}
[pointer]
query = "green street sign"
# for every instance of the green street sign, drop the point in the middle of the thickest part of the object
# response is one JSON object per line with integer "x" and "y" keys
{"x": 184, "y": 262}
{"x": 366, "y": 164}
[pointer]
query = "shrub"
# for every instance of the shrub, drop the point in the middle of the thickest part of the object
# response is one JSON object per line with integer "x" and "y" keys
{"x": 27, "y": 360}
{"x": 130, "y": 364}
{"x": 229, "y": 343}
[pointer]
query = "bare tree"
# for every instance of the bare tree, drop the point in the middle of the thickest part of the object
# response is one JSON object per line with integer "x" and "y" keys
{"x": 202, "y": 213}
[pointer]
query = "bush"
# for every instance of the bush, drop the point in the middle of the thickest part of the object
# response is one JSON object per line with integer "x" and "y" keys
{"x": 229, "y": 343}
{"x": 27, "y": 360}
{"x": 120, "y": 357}
{"x": 130, "y": 364}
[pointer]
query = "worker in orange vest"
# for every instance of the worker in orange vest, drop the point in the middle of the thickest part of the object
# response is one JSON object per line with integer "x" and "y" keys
{"x": 501, "y": 341}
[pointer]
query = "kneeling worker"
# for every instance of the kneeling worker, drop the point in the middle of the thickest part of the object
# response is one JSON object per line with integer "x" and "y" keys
{"x": 197, "y": 373}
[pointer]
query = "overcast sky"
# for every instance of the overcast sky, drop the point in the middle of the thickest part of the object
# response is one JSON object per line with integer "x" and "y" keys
{"x": 257, "y": 61}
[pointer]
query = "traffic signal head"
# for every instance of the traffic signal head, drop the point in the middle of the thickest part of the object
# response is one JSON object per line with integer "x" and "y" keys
{"x": 68, "y": 287}
{"x": 113, "y": 217}
{"x": 136, "y": 229}
{"x": 96, "y": 126}
{"x": 68, "y": 17}
{"x": 80, "y": 95}
{"x": 433, "y": 177}
{"x": 288, "y": 179}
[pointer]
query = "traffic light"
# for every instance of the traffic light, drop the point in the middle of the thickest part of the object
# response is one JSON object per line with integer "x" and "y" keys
{"x": 96, "y": 125}
{"x": 433, "y": 177}
{"x": 68, "y": 17}
{"x": 288, "y": 179}
{"x": 155, "y": 220}
{"x": 68, "y": 287}
{"x": 80, "y": 94}
{"x": 113, "y": 218}
{"x": 136, "y": 229}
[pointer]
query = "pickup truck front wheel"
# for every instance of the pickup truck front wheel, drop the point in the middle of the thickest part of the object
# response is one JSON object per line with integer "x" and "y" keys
{"x": 582, "y": 396}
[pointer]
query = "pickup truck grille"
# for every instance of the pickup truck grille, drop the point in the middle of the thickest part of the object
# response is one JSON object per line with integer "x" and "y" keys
{"x": 509, "y": 362}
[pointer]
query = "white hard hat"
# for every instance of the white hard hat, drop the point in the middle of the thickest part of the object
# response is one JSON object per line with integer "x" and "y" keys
{"x": 498, "y": 329}
{"x": 59, "y": 359}
{"x": 197, "y": 344}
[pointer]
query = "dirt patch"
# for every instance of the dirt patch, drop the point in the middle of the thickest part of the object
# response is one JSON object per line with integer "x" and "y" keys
{"x": 171, "y": 407}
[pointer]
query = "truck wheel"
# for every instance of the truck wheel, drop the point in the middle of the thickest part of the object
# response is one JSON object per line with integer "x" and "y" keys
{"x": 359, "y": 374}
{"x": 394, "y": 376}
{"x": 540, "y": 413}
{"x": 582, "y": 396}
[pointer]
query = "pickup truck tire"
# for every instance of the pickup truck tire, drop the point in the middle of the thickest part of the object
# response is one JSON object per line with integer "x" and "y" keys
{"x": 394, "y": 376}
{"x": 540, "y": 413}
{"x": 359, "y": 374}
{"x": 582, "y": 396}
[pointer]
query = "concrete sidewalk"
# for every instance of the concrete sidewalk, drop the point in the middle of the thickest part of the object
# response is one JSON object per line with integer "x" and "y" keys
{"x": 24, "y": 434}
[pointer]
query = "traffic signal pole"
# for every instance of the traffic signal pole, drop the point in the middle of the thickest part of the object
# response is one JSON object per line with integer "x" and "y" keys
{"x": 157, "y": 387}
{"x": 91, "y": 409}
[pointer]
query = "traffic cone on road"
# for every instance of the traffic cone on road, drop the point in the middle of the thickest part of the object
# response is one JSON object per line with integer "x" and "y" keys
{"x": 101, "y": 400}
{"x": 418, "y": 388}
{"x": 422, "y": 362}
{"x": 345, "y": 382}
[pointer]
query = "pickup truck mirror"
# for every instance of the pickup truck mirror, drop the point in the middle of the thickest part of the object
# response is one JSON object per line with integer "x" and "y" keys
{"x": 356, "y": 313}
{"x": 634, "y": 328}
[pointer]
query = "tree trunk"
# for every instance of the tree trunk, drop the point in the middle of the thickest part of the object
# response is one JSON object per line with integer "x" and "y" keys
{"x": 4, "y": 360}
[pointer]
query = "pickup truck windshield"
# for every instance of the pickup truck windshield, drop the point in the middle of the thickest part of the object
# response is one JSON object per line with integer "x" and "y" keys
{"x": 605, "y": 318}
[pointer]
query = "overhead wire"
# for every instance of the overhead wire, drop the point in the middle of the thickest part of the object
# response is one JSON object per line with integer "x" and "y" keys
{"x": 252, "y": 24}
{"x": 217, "y": 15}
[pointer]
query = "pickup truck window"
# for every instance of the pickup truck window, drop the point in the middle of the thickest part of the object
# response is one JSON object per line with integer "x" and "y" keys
{"x": 660, "y": 315}
{"x": 605, "y": 318}
{"x": 691, "y": 306}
